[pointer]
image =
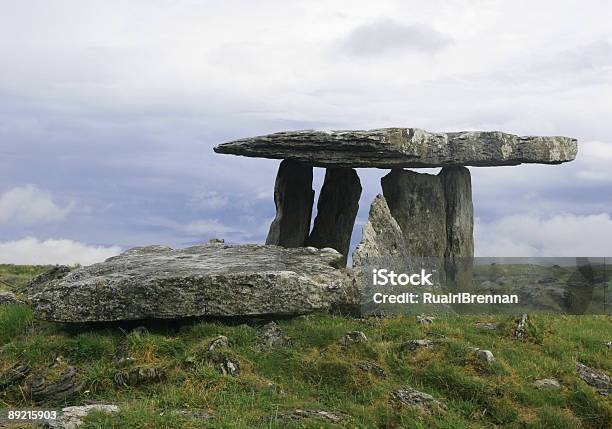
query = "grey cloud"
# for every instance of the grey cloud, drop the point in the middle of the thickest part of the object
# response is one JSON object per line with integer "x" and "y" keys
{"x": 389, "y": 36}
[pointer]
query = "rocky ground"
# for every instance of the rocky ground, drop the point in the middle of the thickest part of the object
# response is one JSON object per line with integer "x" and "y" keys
{"x": 311, "y": 371}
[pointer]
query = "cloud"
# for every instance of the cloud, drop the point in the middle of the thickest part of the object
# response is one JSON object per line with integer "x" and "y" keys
{"x": 561, "y": 235}
{"x": 385, "y": 36}
{"x": 209, "y": 200}
{"x": 31, "y": 251}
{"x": 28, "y": 205}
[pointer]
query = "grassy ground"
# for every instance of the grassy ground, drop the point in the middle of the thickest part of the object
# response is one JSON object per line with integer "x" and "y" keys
{"x": 316, "y": 372}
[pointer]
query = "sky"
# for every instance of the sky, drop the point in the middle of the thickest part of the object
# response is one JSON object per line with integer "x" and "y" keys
{"x": 109, "y": 111}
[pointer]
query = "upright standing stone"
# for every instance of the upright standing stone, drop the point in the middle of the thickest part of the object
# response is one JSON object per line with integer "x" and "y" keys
{"x": 293, "y": 196}
{"x": 336, "y": 210}
{"x": 418, "y": 204}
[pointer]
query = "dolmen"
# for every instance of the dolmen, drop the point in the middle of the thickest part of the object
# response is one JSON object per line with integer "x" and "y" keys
{"x": 299, "y": 269}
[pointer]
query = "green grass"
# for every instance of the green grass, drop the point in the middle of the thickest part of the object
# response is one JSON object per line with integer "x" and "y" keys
{"x": 315, "y": 371}
{"x": 16, "y": 276}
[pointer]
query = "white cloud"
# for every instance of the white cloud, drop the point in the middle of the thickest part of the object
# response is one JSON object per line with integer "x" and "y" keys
{"x": 28, "y": 205}
{"x": 31, "y": 251}
{"x": 209, "y": 200}
{"x": 562, "y": 235}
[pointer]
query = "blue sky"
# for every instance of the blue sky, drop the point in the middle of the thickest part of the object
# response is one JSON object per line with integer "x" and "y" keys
{"x": 109, "y": 112}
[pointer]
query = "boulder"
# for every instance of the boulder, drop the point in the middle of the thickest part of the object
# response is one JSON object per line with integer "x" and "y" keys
{"x": 73, "y": 417}
{"x": 407, "y": 396}
{"x": 207, "y": 280}
{"x": 270, "y": 336}
{"x": 597, "y": 379}
{"x": 547, "y": 383}
{"x": 404, "y": 148}
{"x": 293, "y": 197}
{"x": 353, "y": 337}
{"x": 381, "y": 236}
{"x": 336, "y": 210}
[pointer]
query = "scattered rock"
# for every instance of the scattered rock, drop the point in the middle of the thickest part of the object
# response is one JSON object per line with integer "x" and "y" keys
{"x": 293, "y": 197}
{"x": 425, "y": 320}
{"x": 139, "y": 375}
{"x": 487, "y": 325}
{"x": 64, "y": 388}
{"x": 381, "y": 235}
{"x": 216, "y": 241}
{"x": 412, "y": 345}
{"x": 353, "y": 337}
{"x": 336, "y": 210}
{"x": 407, "y": 396}
{"x": 206, "y": 280}
{"x": 597, "y": 379}
{"x": 220, "y": 342}
{"x": 484, "y": 355}
{"x": 72, "y": 417}
{"x": 298, "y": 414}
{"x": 228, "y": 366}
{"x": 372, "y": 368}
{"x": 404, "y": 148}
{"x": 14, "y": 374}
{"x": 547, "y": 383}
{"x": 521, "y": 325}
{"x": 271, "y": 335}
{"x": 7, "y": 298}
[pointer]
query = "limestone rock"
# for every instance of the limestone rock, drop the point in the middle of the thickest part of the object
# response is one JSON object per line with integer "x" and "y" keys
{"x": 381, "y": 235}
{"x": 484, "y": 355}
{"x": 228, "y": 366}
{"x": 54, "y": 273}
{"x": 336, "y": 210}
{"x": 486, "y": 325}
{"x": 220, "y": 342}
{"x": 404, "y": 148}
{"x": 413, "y": 345}
{"x": 14, "y": 374}
{"x": 299, "y": 414}
{"x": 271, "y": 335}
{"x": 547, "y": 383}
{"x": 521, "y": 326}
{"x": 293, "y": 197}
{"x": 67, "y": 386}
{"x": 8, "y": 298}
{"x": 371, "y": 368}
{"x": 457, "y": 183}
{"x": 417, "y": 202}
{"x": 407, "y": 396}
{"x": 73, "y": 417}
{"x": 139, "y": 375}
{"x": 425, "y": 320}
{"x": 598, "y": 379}
{"x": 206, "y": 280}
{"x": 353, "y": 337}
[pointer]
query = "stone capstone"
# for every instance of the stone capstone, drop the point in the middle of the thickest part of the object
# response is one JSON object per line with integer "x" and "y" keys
{"x": 381, "y": 236}
{"x": 158, "y": 282}
{"x": 293, "y": 197}
{"x": 336, "y": 210}
{"x": 404, "y": 148}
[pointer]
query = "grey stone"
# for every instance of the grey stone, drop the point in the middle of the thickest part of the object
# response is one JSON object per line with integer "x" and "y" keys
{"x": 597, "y": 379}
{"x": 484, "y": 355}
{"x": 372, "y": 368}
{"x": 207, "y": 280}
{"x": 216, "y": 241}
{"x": 412, "y": 345}
{"x": 381, "y": 236}
{"x": 547, "y": 383}
{"x": 139, "y": 375}
{"x": 228, "y": 366}
{"x": 54, "y": 273}
{"x": 417, "y": 202}
{"x": 423, "y": 319}
{"x": 491, "y": 326}
{"x": 404, "y": 148}
{"x": 336, "y": 210}
{"x": 220, "y": 342}
{"x": 271, "y": 335}
{"x": 353, "y": 337}
{"x": 293, "y": 197}
{"x": 521, "y": 326}
{"x": 67, "y": 386}
{"x": 407, "y": 396}
{"x": 7, "y": 298}
{"x": 298, "y": 414}
{"x": 73, "y": 417}
{"x": 14, "y": 374}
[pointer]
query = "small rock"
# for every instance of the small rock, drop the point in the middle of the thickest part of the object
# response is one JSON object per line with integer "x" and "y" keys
{"x": 521, "y": 325}
{"x": 220, "y": 341}
{"x": 298, "y": 414}
{"x": 229, "y": 366}
{"x": 547, "y": 383}
{"x": 484, "y": 355}
{"x": 410, "y": 397}
{"x": 487, "y": 325}
{"x": 425, "y": 320}
{"x": 139, "y": 375}
{"x": 72, "y": 417}
{"x": 216, "y": 241}
{"x": 595, "y": 378}
{"x": 7, "y": 298}
{"x": 14, "y": 374}
{"x": 416, "y": 344}
{"x": 353, "y": 337}
{"x": 66, "y": 387}
{"x": 271, "y": 335}
{"x": 372, "y": 368}
{"x": 609, "y": 344}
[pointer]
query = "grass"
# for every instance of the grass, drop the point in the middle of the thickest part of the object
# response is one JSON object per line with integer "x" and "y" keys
{"x": 315, "y": 371}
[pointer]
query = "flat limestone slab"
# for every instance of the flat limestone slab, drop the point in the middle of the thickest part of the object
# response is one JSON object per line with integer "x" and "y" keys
{"x": 208, "y": 280}
{"x": 405, "y": 147}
